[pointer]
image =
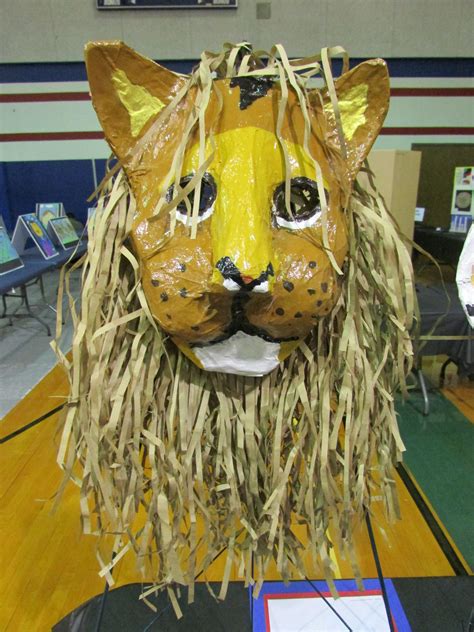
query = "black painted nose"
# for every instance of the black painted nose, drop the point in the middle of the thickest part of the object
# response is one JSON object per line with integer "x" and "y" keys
{"x": 230, "y": 272}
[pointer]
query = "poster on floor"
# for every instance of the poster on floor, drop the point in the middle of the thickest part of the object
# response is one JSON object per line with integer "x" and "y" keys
{"x": 63, "y": 231}
{"x": 46, "y": 211}
{"x": 9, "y": 258}
{"x": 299, "y": 607}
{"x": 27, "y": 226}
{"x": 462, "y": 205}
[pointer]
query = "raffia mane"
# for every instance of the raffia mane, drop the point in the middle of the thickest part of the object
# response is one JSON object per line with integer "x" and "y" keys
{"x": 179, "y": 463}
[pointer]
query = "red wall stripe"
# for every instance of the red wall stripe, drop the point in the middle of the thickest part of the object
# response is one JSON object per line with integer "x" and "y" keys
{"x": 432, "y": 92}
{"x": 85, "y": 96}
{"x": 386, "y": 131}
{"x": 11, "y": 138}
{"x": 37, "y": 97}
{"x": 427, "y": 131}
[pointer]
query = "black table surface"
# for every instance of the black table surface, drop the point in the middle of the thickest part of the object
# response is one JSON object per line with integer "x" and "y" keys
{"x": 34, "y": 265}
{"x": 437, "y": 604}
{"x": 438, "y": 303}
{"x": 442, "y": 244}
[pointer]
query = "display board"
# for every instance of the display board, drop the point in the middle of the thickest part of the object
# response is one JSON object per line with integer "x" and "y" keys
{"x": 167, "y": 4}
{"x": 90, "y": 213}
{"x": 462, "y": 205}
{"x": 28, "y": 225}
{"x": 63, "y": 231}
{"x": 9, "y": 258}
{"x": 46, "y": 211}
{"x": 298, "y": 607}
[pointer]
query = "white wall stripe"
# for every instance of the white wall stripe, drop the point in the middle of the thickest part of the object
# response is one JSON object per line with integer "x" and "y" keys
{"x": 83, "y": 86}
{"x": 40, "y": 87}
{"x": 52, "y": 116}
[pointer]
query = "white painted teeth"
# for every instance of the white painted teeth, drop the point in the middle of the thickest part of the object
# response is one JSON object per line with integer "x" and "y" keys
{"x": 230, "y": 285}
{"x": 262, "y": 288}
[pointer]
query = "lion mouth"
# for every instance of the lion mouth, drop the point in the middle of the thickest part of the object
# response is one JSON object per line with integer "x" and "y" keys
{"x": 241, "y": 354}
{"x": 240, "y": 324}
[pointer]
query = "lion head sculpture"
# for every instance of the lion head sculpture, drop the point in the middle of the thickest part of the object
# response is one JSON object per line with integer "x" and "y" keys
{"x": 245, "y": 313}
{"x": 232, "y": 273}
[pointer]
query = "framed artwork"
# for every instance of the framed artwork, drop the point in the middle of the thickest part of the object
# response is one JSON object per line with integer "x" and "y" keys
{"x": 167, "y": 4}
{"x": 28, "y": 225}
{"x": 9, "y": 258}
{"x": 47, "y": 211}
{"x": 64, "y": 232}
{"x": 462, "y": 204}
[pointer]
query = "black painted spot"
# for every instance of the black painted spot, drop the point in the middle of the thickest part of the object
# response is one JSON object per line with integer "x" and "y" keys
{"x": 314, "y": 316}
{"x": 183, "y": 292}
{"x": 298, "y": 315}
{"x": 312, "y": 264}
{"x": 194, "y": 327}
{"x": 251, "y": 89}
{"x": 324, "y": 287}
{"x": 168, "y": 316}
{"x": 155, "y": 282}
{"x": 279, "y": 311}
{"x": 311, "y": 291}
{"x": 164, "y": 296}
{"x": 182, "y": 267}
{"x": 288, "y": 285}
{"x": 319, "y": 303}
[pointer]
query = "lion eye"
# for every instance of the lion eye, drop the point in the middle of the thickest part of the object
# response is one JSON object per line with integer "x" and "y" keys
{"x": 206, "y": 202}
{"x": 304, "y": 204}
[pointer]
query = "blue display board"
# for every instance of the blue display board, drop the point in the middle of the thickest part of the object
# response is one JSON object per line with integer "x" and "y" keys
{"x": 289, "y": 607}
{"x": 167, "y": 4}
{"x": 9, "y": 259}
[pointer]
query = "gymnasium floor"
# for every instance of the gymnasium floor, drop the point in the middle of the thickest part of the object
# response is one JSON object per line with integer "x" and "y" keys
{"x": 49, "y": 568}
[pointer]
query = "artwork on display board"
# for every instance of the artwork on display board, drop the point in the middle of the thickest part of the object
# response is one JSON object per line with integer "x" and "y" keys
{"x": 64, "y": 232}
{"x": 91, "y": 211}
{"x": 462, "y": 206}
{"x": 29, "y": 225}
{"x": 91, "y": 214}
{"x": 232, "y": 311}
{"x": 9, "y": 258}
{"x": 47, "y": 211}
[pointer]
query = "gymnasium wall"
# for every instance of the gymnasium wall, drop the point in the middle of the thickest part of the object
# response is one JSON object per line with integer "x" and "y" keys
{"x": 55, "y": 30}
{"x": 51, "y": 145}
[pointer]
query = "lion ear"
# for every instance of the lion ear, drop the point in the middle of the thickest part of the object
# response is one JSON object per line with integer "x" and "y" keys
{"x": 363, "y": 95}
{"x": 127, "y": 91}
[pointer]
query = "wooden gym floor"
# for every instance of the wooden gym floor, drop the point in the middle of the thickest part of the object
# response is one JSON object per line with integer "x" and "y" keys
{"x": 48, "y": 568}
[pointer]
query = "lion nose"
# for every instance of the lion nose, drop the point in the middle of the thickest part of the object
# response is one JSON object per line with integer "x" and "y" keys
{"x": 234, "y": 281}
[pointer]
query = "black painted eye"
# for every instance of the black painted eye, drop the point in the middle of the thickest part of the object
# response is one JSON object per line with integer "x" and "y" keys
{"x": 304, "y": 204}
{"x": 206, "y": 202}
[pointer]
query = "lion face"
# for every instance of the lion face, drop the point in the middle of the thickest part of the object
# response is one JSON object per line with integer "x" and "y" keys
{"x": 241, "y": 293}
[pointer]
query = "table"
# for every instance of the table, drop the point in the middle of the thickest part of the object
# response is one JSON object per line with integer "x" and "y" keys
{"x": 443, "y": 245}
{"x": 35, "y": 265}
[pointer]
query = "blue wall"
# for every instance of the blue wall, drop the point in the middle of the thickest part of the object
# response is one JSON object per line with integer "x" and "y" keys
{"x": 23, "y": 184}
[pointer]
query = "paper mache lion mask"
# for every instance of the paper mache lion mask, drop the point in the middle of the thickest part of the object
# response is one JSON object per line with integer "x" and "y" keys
{"x": 239, "y": 292}
{"x": 245, "y": 317}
